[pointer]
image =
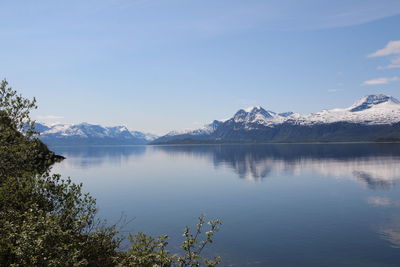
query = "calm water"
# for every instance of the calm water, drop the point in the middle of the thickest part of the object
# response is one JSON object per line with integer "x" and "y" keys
{"x": 281, "y": 205}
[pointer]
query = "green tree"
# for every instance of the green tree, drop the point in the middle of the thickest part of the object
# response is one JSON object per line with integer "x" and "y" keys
{"x": 20, "y": 149}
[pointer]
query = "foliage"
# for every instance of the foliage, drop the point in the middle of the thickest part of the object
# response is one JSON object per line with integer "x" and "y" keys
{"x": 48, "y": 221}
{"x": 20, "y": 152}
{"x": 193, "y": 246}
{"x": 147, "y": 251}
{"x": 16, "y": 108}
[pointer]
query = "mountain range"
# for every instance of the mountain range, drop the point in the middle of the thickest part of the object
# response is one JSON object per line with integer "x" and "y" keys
{"x": 371, "y": 118}
{"x": 90, "y": 134}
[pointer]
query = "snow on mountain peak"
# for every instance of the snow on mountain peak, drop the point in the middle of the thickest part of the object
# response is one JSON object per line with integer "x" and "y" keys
{"x": 286, "y": 114}
{"x": 369, "y": 101}
{"x": 370, "y": 109}
{"x": 87, "y": 130}
{"x": 257, "y": 115}
{"x": 250, "y": 109}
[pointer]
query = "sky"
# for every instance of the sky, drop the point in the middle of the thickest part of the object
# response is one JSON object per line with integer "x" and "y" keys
{"x": 158, "y": 65}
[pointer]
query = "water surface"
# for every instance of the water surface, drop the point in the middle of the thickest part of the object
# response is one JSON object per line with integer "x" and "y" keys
{"x": 281, "y": 205}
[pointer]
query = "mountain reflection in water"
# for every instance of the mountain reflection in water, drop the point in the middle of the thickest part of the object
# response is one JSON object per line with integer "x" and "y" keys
{"x": 375, "y": 165}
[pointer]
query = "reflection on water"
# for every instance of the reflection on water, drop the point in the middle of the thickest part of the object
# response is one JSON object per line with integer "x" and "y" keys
{"x": 391, "y": 232}
{"x": 92, "y": 156}
{"x": 379, "y": 201}
{"x": 332, "y": 203}
{"x": 375, "y": 165}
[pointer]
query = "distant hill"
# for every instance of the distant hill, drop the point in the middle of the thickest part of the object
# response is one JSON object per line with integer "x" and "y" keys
{"x": 90, "y": 134}
{"x": 371, "y": 118}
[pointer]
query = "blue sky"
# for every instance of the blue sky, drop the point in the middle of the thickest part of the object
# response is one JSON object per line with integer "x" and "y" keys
{"x": 157, "y": 65}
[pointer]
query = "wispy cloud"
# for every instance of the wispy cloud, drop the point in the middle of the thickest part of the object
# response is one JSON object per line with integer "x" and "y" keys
{"x": 382, "y": 80}
{"x": 285, "y": 15}
{"x": 391, "y": 49}
{"x": 394, "y": 64}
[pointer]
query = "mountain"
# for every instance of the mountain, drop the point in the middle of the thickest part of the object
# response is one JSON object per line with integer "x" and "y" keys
{"x": 371, "y": 118}
{"x": 90, "y": 134}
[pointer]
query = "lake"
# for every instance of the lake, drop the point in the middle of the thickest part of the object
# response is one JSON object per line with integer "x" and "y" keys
{"x": 281, "y": 205}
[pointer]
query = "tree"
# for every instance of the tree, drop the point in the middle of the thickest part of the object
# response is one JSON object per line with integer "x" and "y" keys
{"x": 20, "y": 149}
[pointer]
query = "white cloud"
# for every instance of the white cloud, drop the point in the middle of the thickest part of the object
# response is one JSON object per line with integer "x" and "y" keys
{"x": 392, "y": 48}
{"x": 382, "y": 80}
{"x": 394, "y": 64}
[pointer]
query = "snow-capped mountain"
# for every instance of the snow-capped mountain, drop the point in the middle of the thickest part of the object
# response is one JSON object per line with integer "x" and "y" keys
{"x": 205, "y": 130}
{"x": 146, "y": 136}
{"x": 85, "y": 133}
{"x": 257, "y": 115}
{"x": 371, "y": 109}
{"x": 371, "y": 118}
